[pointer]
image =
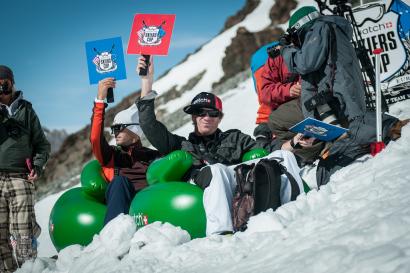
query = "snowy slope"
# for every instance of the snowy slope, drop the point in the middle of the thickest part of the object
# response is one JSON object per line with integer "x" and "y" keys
{"x": 210, "y": 56}
{"x": 359, "y": 222}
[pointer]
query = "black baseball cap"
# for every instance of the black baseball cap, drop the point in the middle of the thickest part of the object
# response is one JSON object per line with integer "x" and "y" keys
{"x": 204, "y": 100}
{"x": 6, "y": 73}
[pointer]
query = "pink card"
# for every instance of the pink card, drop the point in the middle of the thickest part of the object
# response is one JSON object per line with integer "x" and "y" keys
{"x": 151, "y": 34}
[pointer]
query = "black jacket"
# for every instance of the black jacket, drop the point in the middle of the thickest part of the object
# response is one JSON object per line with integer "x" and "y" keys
{"x": 24, "y": 137}
{"x": 221, "y": 147}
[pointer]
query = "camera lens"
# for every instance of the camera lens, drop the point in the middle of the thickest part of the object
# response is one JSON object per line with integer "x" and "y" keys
{"x": 326, "y": 114}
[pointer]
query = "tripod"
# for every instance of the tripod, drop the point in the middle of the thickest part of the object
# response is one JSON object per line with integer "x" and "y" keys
{"x": 342, "y": 9}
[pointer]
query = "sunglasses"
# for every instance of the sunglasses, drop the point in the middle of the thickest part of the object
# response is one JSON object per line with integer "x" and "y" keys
{"x": 207, "y": 112}
{"x": 117, "y": 128}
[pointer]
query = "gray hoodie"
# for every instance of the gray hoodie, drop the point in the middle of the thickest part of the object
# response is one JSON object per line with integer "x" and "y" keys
{"x": 312, "y": 61}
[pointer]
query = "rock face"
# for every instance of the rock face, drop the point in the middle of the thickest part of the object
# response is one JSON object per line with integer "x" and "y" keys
{"x": 238, "y": 54}
{"x": 280, "y": 12}
{"x": 245, "y": 43}
{"x": 65, "y": 165}
{"x": 250, "y": 5}
{"x": 56, "y": 138}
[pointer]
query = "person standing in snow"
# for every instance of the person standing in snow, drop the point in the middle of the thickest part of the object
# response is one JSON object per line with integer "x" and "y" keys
{"x": 24, "y": 151}
{"x": 125, "y": 164}
{"x": 215, "y": 152}
{"x": 332, "y": 86}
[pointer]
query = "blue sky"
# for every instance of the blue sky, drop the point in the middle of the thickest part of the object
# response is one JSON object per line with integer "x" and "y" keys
{"x": 43, "y": 42}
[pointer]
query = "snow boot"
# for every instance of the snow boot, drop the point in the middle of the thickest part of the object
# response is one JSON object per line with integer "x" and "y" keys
{"x": 395, "y": 130}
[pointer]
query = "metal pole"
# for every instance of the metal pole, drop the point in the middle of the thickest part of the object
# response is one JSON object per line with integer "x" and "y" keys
{"x": 378, "y": 92}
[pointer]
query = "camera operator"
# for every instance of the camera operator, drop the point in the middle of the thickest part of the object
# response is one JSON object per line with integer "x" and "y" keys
{"x": 24, "y": 151}
{"x": 332, "y": 86}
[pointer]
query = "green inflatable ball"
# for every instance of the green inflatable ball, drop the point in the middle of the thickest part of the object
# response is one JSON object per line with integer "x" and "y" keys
{"x": 75, "y": 218}
{"x": 93, "y": 181}
{"x": 177, "y": 203}
{"x": 306, "y": 187}
{"x": 254, "y": 154}
{"x": 169, "y": 168}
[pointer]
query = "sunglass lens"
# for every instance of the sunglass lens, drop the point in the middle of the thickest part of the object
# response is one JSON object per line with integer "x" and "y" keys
{"x": 213, "y": 113}
{"x": 210, "y": 113}
{"x": 115, "y": 129}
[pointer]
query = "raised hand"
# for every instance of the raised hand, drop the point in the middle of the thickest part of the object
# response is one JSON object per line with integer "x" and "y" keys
{"x": 146, "y": 81}
{"x": 103, "y": 86}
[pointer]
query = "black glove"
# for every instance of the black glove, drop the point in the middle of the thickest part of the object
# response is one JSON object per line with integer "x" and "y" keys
{"x": 273, "y": 52}
{"x": 38, "y": 170}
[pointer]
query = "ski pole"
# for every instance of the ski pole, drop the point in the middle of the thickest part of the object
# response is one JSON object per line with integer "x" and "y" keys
{"x": 379, "y": 144}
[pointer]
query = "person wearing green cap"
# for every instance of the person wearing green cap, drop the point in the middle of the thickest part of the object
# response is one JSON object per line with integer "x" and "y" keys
{"x": 332, "y": 86}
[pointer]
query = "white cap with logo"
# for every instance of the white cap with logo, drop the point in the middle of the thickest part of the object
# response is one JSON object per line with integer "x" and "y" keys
{"x": 128, "y": 116}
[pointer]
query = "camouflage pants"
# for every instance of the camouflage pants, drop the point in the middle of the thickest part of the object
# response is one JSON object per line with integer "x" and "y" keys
{"x": 18, "y": 226}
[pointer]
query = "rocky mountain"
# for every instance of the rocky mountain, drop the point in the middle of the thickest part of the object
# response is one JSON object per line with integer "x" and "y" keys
{"x": 56, "y": 138}
{"x": 242, "y": 34}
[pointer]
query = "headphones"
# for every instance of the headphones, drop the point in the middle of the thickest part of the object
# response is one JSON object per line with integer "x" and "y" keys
{"x": 295, "y": 30}
{"x": 302, "y": 21}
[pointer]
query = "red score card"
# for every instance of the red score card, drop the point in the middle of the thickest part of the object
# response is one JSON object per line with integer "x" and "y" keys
{"x": 151, "y": 34}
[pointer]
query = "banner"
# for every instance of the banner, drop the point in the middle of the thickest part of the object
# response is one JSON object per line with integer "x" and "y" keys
{"x": 389, "y": 31}
{"x": 151, "y": 34}
{"x": 105, "y": 58}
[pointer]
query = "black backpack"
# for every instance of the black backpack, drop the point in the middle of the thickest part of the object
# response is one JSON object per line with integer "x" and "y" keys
{"x": 258, "y": 189}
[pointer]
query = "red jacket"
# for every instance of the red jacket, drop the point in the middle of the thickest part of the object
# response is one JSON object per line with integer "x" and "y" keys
{"x": 276, "y": 81}
{"x": 131, "y": 162}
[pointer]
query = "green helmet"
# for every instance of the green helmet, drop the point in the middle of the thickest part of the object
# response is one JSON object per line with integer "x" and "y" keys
{"x": 303, "y": 16}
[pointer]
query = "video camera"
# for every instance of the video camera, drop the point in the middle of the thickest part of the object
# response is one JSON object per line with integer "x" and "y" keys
{"x": 327, "y": 108}
{"x": 284, "y": 40}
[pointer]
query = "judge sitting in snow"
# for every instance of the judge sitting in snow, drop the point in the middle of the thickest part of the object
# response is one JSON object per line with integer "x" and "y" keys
{"x": 216, "y": 151}
{"x": 124, "y": 165}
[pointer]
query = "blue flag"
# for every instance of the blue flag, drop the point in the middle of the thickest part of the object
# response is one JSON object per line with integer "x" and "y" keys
{"x": 105, "y": 58}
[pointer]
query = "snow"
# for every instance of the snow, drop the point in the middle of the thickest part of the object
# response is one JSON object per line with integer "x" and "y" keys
{"x": 43, "y": 210}
{"x": 358, "y": 222}
{"x": 209, "y": 58}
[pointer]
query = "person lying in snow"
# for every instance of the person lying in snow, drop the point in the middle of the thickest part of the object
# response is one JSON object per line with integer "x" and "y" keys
{"x": 216, "y": 152}
{"x": 320, "y": 50}
{"x": 124, "y": 165}
{"x": 280, "y": 90}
